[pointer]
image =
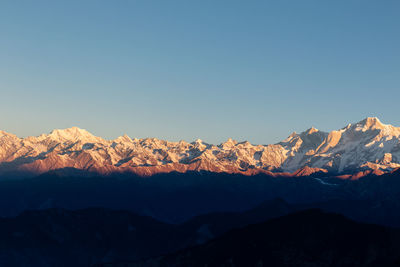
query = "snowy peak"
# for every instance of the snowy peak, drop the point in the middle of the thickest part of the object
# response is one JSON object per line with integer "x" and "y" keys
{"x": 198, "y": 141}
{"x": 370, "y": 123}
{"x": 5, "y": 134}
{"x": 69, "y": 133}
{"x": 72, "y": 134}
{"x": 123, "y": 139}
{"x": 373, "y": 124}
{"x": 228, "y": 143}
{"x": 311, "y": 130}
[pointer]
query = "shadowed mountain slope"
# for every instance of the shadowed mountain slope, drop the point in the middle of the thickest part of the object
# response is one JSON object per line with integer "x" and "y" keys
{"x": 176, "y": 197}
{"x": 308, "y": 238}
{"x": 59, "y": 237}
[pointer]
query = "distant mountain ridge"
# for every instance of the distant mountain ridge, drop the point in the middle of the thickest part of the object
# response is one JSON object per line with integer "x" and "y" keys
{"x": 363, "y": 147}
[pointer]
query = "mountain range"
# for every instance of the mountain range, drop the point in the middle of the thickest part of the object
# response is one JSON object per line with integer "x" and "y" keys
{"x": 353, "y": 151}
{"x": 86, "y": 201}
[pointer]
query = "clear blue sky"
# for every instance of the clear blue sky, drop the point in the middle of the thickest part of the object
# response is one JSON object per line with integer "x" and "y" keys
{"x": 250, "y": 70}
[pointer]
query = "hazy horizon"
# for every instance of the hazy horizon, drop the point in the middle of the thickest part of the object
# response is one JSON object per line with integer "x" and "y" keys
{"x": 211, "y": 70}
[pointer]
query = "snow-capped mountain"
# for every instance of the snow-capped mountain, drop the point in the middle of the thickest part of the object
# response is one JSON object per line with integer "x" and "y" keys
{"x": 364, "y": 146}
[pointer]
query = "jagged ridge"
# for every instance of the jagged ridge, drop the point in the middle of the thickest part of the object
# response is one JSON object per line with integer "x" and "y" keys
{"x": 360, "y": 147}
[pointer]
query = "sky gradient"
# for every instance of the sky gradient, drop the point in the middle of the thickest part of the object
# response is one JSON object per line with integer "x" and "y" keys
{"x": 250, "y": 70}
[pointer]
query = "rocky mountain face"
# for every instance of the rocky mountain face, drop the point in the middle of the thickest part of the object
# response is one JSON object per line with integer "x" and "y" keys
{"x": 366, "y": 146}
